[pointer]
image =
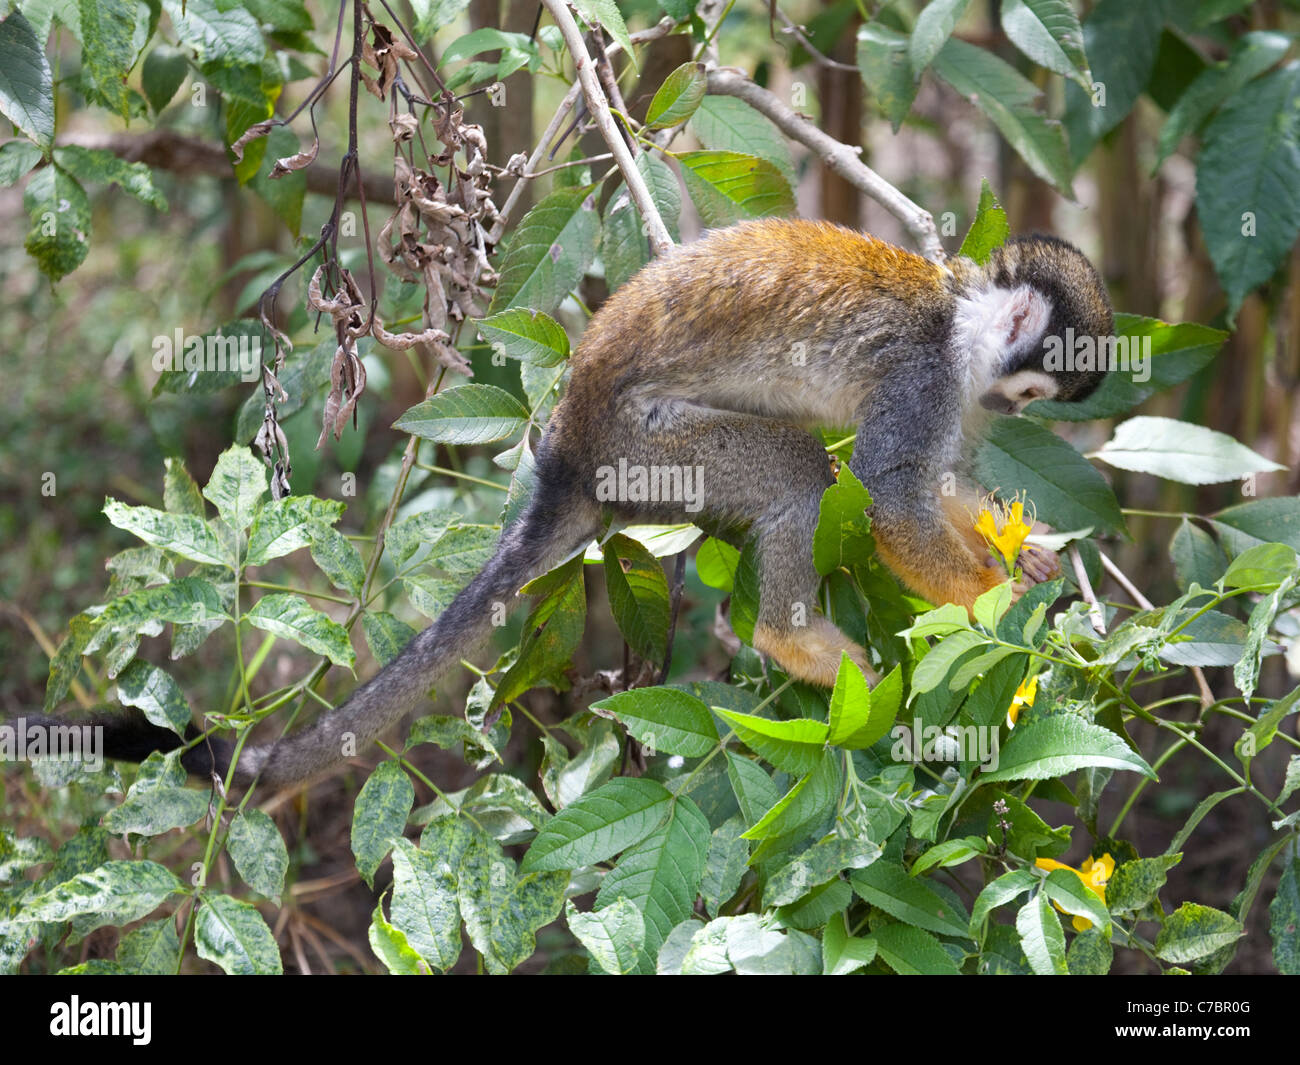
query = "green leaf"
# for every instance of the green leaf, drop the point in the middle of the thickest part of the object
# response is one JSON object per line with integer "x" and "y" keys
{"x": 102, "y": 166}
{"x": 234, "y": 935}
{"x": 487, "y": 39}
{"x": 379, "y": 816}
{"x": 236, "y": 486}
{"x": 1160, "y": 353}
{"x": 933, "y": 27}
{"x": 1136, "y": 883}
{"x": 1053, "y": 746}
{"x": 599, "y": 825}
{"x": 257, "y": 849}
{"x": 843, "y": 533}
{"x": 1090, "y": 954}
{"x": 882, "y": 57}
{"x": 727, "y": 124}
{"x": 803, "y": 806}
{"x": 1261, "y": 568}
{"x": 661, "y": 875}
{"x": 424, "y": 906}
{"x": 152, "y": 811}
{"x": 606, "y": 14}
{"x": 863, "y": 716}
{"x": 625, "y": 245}
{"x": 291, "y": 618}
{"x": 16, "y": 159}
{"x": 162, "y": 73}
{"x": 108, "y": 53}
{"x": 1009, "y": 100}
{"x": 26, "y": 83}
{"x": 153, "y": 691}
{"x": 530, "y": 336}
{"x": 727, "y": 187}
{"x": 725, "y": 865}
{"x": 1068, "y": 891}
{"x": 744, "y": 596}
{"x": 678, "y": 97}
{"x": 1197, "y": 558}
{"x": 182, "y": 534}
{"x": 1262, "y": 521}
{"x": 551, "y": 633}
{"x": 755, "y": 791}
{"x": 1048, "y": 32}
{"x": 1066, "y": 489}
{"x": 998, "y": 893}
{"x": 1252, "y": 54}
{"x": 842, "y": 953}
{"x": 549, "y": 253}
{"x": 284, "y": 525}
{"x": 392, "y": 948}
{"x": 1248, "y": 182}
{"x": 216, "y": 30}
{"x": 796, "y": 746}
{"x": 1041, "y": 937}
{"x": 1284, "y": 919}
{"x": 188, "y": 600}
{"x": 989, "y": 230}
{"x": 949, "y": 852}
{"x": 664, "y": 719}
{"x": 887, "y": 885}
{"x": 1181, "y": 451}
{"x": 1212, "y": 639}
{"x": 433, "y": 15}
{"x": 59, "y": 211}
{"x": 1193, "y": 931}
{"x": 337, "y": 557}
{"x": 116, "y": 893}
{"x": 715, "y": 564}
{"x": 1120, "y": 39}
{"x": 638, "y": 597}
{"x": 467, "y": 414}
{"x": 1262, "y": 732}
{"x": 910, "y": 951}
{"x": 820, "y": 863}
{"x": 153, "y": 949}
{"x": 614, "y": 936}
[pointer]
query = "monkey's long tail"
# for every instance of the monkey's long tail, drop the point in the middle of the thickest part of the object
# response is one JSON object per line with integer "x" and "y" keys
{"x": 543, "y": 536}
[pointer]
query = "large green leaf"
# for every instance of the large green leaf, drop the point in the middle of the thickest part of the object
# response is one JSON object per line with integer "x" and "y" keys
{"x": 599, "y": 825}
{"x": 1248, "y": 182}
{"x": 1048, "y": 32}
{"x": 1009, "y": 100}
{"x": 665, "y": 719}
{"x": 1053, "y": 746}
{"x": 467, "y": 414}
{"x": 1066, "y": 491}
{"x": 1181, "y": 451}
{"x": 26, "y": 83}
{"x": 549, "y": 252}
{"x": 727, "y": 187}
{"x": 235, "y": 936}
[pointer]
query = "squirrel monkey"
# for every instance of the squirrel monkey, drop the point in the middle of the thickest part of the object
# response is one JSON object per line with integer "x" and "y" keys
{"x": 716, "y": 358}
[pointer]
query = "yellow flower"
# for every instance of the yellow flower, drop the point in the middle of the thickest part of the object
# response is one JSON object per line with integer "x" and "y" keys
{"x": 1095, "y": 874}
{"x": 1004, "y": 528}
{"x": 1024, "y": 696}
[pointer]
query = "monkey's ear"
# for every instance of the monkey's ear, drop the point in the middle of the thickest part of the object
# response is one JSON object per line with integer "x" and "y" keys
{"x": 1021, "y": 318}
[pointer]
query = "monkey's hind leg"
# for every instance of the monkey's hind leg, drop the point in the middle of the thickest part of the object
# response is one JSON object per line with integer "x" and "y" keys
{"x": 770, "y": 475}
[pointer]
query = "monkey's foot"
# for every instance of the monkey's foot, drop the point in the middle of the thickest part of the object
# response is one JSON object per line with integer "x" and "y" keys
{"x": 1037, "y": 564}
{"x": 812, "y": 652}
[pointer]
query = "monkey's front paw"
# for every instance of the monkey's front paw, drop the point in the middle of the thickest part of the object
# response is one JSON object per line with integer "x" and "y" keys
{"x": 1037, "y": 564}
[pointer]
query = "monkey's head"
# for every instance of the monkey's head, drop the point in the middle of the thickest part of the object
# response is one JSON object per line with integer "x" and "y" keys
{"x": 1049, "y": 323}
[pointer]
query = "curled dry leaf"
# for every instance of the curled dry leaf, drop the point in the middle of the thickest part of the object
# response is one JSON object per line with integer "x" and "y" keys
{"x": 256, "y": 130}
{"x": 298, "y": 161}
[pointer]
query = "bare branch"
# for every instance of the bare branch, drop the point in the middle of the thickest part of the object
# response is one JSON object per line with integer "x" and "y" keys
{"x": 598, "y": 105}
{"x": 841, "y": 158}
{"x": 1085, "y": 590}
{"x": 797, "y": 32}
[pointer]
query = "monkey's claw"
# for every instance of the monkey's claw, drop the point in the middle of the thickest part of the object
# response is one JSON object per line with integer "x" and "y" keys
{"x": 1037, "y": 564}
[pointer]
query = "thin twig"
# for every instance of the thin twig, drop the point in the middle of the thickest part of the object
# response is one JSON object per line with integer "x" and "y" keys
{"x": 598, "y": 105}
{"x": 1095, "y": 611}
{"x": 841, "y": 158}
{"x": 1207, "y": 696}
{"x": 797, "y": 32}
